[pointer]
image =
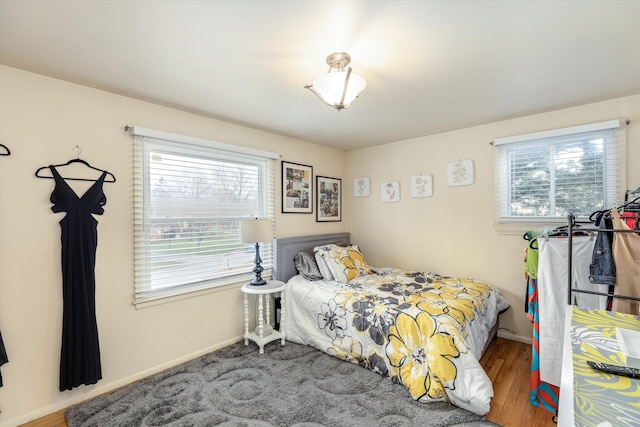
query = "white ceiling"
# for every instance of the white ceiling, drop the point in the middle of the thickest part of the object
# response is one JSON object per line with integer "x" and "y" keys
{"x": 430, "y": 66}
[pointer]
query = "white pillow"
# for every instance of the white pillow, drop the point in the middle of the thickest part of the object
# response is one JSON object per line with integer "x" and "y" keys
{"x": 344, "y": 262}
{"x": 318, "y": 252}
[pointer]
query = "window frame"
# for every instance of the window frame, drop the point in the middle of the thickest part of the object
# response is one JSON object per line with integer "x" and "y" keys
{"x": 614, "y": 174}
{"x": 145, "y": 139}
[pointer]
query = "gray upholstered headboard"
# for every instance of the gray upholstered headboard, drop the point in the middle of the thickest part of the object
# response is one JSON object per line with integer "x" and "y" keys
{"x": 286, "y": 249}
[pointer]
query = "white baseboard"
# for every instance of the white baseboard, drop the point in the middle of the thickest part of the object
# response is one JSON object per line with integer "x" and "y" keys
{"x": 105, "y": 388}
{"x": 514, "y": 337}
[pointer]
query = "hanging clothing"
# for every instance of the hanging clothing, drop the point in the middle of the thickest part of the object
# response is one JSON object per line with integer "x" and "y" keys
{"x": 632, "y": 219}
{"x": 3, "y": 356}
{"x": 530, "y": 270}
{"x": 626, "y": 255}
{"x": 552, "y": 296}
{"x": 80, "y": 353}
{"x": 541, "y": 394}
{"x": 531, "y": 255}
{"x": 603, "y": 269}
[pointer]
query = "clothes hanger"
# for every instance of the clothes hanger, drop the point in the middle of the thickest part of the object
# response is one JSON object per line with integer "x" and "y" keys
{"x": 563, "y": 231}
{"x": 108, "y": 178}
{"x": 631, "y": 205}
{"x": 532, "y": 238}
{"x": 628, "y": 192}
{"x": 4, "y": 150}
{"x": 595, "y": 214}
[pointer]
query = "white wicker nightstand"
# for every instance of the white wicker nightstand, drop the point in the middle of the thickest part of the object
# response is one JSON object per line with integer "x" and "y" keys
{"x": 263, "y": 333}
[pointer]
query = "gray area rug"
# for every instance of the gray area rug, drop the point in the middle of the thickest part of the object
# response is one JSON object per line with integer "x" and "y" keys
{"x": 294, "y": 385}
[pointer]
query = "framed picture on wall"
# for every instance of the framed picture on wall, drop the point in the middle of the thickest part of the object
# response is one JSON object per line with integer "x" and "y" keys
{"x": 361, "y": 187}
{"x": 422, "y": 186}
{"x": 390, "y": 191}
{"x": 328, "y": 199}
{"x": 297, "y": 188}
{"x": 460, "y": 173}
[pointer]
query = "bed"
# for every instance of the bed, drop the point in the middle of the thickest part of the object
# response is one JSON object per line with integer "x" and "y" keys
{"x": 422, "y": 330}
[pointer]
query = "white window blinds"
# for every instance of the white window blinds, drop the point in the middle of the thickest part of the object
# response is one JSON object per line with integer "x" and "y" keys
{"x": 190, "y": 196}
{"x": 544, "y": 176}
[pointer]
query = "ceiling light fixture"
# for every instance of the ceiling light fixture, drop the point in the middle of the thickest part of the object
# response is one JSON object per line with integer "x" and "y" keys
{"x": 339, "y": 88}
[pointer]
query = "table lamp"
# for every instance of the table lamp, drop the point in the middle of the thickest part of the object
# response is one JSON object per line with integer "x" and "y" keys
{"x": 256, "y": 231}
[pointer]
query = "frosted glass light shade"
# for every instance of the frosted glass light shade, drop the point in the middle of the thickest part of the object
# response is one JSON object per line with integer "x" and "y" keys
{"x": 331, "y": 85}
{"x": 257, "y": 230}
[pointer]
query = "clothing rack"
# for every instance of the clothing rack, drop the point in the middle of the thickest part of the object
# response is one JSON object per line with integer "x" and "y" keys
{"x": 629, "y": 192}
{"x": 571, "y": 223}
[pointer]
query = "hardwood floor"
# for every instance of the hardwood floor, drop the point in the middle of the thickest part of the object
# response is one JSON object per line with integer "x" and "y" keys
{"x": 508, "y": 364}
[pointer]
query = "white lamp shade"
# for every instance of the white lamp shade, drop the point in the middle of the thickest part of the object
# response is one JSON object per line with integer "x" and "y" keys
{"x": 331, "y": 85}
{"x": 257, "y": 230}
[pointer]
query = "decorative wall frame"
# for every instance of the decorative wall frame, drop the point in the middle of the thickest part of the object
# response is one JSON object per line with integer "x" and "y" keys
{"x": 328, "y": 199}
{"x": 297, "y": 188}
{"x": 390, "y": 191}
{"x": 460, "y": 173}
{"x": 361, "y": 187}
{"x": 422, "y": 186}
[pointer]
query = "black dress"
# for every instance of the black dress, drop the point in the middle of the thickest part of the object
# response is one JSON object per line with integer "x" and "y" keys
{"x": 80, "y": 355}
{"x": 3, "y": 356}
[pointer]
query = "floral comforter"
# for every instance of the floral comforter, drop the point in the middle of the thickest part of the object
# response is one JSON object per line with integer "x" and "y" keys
{"x": 421, "y": 330}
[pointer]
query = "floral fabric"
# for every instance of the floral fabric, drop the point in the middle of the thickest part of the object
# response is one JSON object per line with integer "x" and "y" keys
{"x": 421, "y": 330}
{"x": 344, "y": 262}
{"x": 601, "y": 399}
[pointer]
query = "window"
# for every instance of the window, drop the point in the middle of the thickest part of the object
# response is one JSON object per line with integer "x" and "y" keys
{"x": 190, "y": 198}
{"x": 546, "y": 175}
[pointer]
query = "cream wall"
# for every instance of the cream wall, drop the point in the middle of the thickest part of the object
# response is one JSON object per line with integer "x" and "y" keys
{"x": 454, "y": 232}
{"x": 41, "y": 120}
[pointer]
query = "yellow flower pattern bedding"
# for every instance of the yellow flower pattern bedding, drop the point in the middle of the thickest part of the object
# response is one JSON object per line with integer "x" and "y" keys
{"x": 421, "y": 330}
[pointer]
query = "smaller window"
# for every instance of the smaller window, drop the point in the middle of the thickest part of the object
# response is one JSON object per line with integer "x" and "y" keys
{"x": 546, "y": 175}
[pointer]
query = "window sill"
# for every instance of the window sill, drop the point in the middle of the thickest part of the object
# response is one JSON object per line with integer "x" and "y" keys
{"x": 517, "y": 228}
{"x": 189, "y": 293}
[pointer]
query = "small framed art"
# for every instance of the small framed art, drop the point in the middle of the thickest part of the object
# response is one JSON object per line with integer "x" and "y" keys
{"x": 297, "y": 188}
{"x": 361, "y": 187}
{"x": 460, "y": 173}
{"x": 329, "y": 199}
{"x": 422, "y": 186}
{"x": 390, "y": 191}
